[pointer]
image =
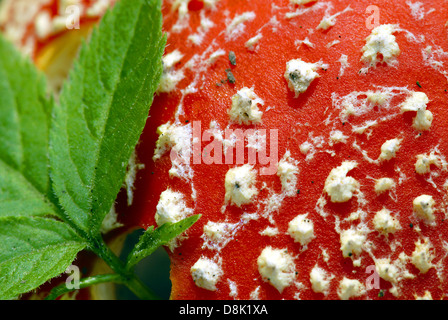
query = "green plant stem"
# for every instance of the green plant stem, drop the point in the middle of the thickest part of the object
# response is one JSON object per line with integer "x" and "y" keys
{"x": 127, "y": 277}
{"x": 141, "y": 290}
{"x": 122, "y": 274}
{"x": 84, "y": 283}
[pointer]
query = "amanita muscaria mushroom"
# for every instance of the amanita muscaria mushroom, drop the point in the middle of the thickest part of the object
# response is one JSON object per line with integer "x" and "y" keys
{"x": 335, "y": 112}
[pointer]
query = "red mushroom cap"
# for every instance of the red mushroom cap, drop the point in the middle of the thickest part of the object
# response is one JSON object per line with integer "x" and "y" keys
{"x": 336, "y": 115}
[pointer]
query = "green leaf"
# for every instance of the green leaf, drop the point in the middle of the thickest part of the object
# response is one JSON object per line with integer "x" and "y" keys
{"x": 32, "y": 251}
{"x": 154, "y": 238}
{"x": 25, "y": 115}
{"x": 69, "y": 160}
{"x": 103, "y": 110}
